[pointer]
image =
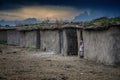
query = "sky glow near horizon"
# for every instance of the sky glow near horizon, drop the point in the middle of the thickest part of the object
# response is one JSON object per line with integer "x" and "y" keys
{"x": 58, "y": 9}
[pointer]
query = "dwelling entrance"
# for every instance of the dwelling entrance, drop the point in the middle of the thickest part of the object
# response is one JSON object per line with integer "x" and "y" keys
{"x": 72, "y": 42}
{"x": 81, "y": 47}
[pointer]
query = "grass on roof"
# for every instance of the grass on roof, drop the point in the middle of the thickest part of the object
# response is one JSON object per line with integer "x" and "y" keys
{"x": 103, "y": 21}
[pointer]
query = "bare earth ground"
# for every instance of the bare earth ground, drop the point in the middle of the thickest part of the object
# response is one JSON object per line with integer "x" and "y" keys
{"x": 22, "y": 64}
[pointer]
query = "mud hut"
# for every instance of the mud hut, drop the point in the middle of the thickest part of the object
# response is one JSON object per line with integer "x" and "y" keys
{"x": 102, "y": 44}
{"x": 56, "y": 39}
{"x": 22, "y": 37}
{"x": 60, "y": 40}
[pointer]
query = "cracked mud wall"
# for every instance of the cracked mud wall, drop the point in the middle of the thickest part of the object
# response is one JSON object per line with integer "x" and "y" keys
{"x": 28, "y": 39}
{"x": 102, "y": 46}
{"x": 64, "y": 43}
{"x": 13, "y": 37}
{"x": 116, "y": 44}
{"x": 50, "y": 41}
{"x": 21, "y": 38}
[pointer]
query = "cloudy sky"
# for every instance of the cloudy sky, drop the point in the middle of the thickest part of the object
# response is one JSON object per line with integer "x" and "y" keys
{"x": 76, "y": 10}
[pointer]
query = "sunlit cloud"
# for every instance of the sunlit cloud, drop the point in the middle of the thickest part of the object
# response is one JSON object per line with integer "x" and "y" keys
{"x": 42, "y": 13}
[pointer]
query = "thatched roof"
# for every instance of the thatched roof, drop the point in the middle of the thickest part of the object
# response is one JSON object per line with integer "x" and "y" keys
{"x": 102, "y": 22}
{"x": 100, "y": 27}
{"x": 46, "y": 27}
{"x": 41, "y": 27}
{"x": 7, "y": 28}
{"x": 96, "y": 28}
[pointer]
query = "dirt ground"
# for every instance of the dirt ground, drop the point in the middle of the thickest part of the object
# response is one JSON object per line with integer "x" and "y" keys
{"x": 23, "y": 64}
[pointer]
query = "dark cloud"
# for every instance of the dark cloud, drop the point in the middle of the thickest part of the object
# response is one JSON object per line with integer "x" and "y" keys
{"x": 14, "y": 4}
{"x": 98, "y": 8}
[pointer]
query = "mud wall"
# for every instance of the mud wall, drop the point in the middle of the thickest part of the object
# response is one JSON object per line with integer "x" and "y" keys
{"x": 102, "y": 46}
{"x": 50, "y": 41}
{"x": 28, "y": 39}
{"x": 64, "y": 43}
{"x": 3, "y": 35}
{"x": 116, "y": 44}
{"x": 13, "y": 37}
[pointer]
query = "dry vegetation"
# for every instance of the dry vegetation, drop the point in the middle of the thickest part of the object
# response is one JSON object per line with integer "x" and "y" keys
{"x": 23, "y": 64}
{"x": 103, "y": 21}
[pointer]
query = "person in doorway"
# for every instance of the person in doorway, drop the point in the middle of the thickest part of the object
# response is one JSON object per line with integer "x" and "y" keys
{"x": 81, "y": 49}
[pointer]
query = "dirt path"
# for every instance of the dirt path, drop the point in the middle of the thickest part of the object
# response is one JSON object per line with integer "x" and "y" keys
{"x": 21, "y": 64}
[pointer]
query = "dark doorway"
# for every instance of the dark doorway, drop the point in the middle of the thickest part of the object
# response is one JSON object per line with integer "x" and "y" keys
{"x": 72, "y": 43}
{"x": 38, "y": 39}
{"x": 81, "y": 35}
